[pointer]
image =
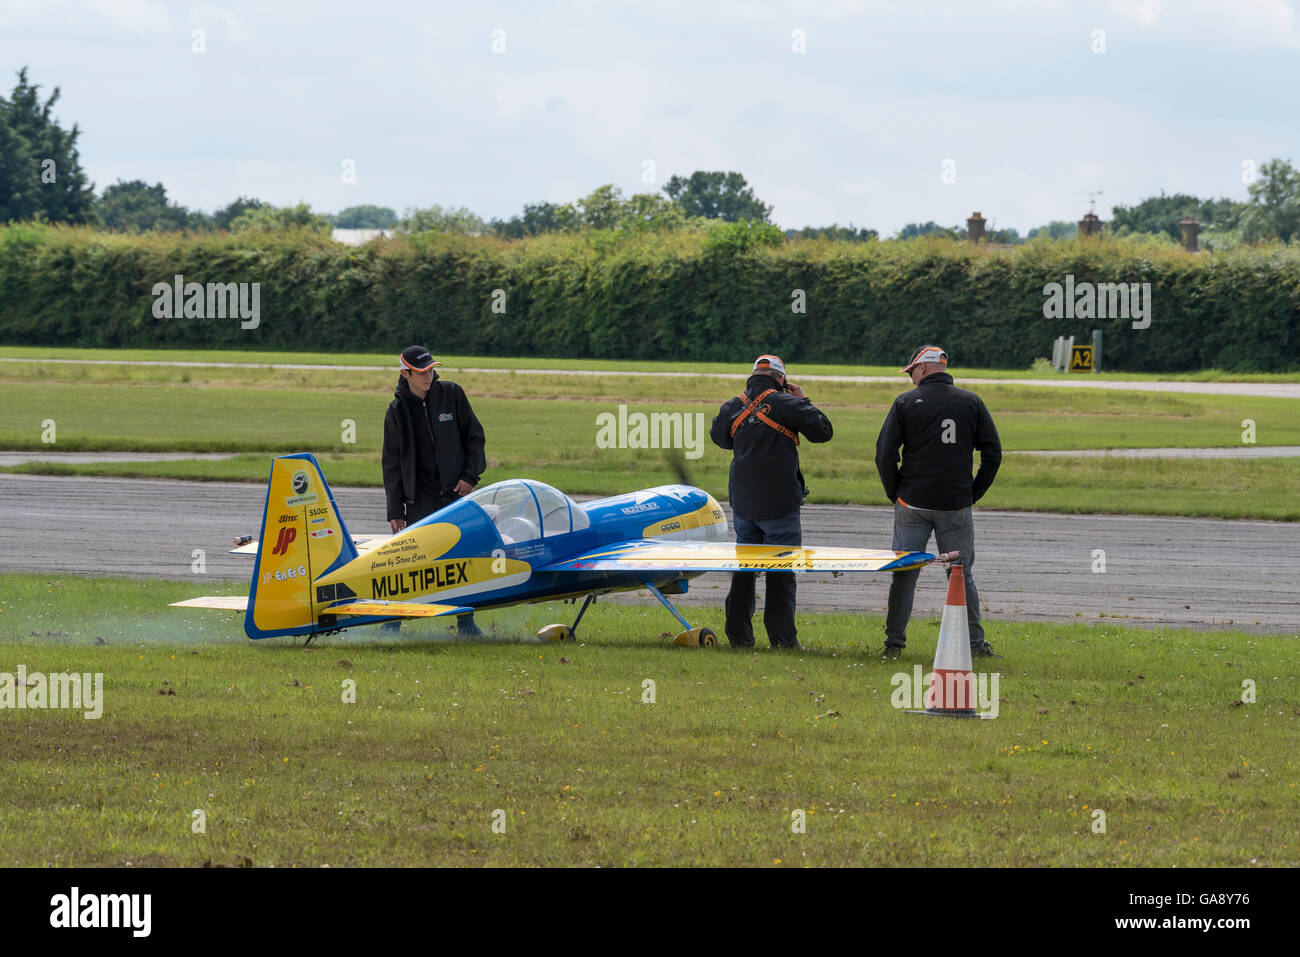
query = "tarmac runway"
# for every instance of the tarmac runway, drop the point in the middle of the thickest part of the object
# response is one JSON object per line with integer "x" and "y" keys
{"x": 1201, "y": 573}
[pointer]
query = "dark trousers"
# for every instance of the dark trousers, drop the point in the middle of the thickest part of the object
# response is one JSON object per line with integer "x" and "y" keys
{"x": 778, "y": 608}
{"x": 953, "y": 531}
{"x": 424, "y": 506}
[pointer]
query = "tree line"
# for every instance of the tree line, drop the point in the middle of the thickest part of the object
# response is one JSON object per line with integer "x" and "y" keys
{"x": 41, "y": 179}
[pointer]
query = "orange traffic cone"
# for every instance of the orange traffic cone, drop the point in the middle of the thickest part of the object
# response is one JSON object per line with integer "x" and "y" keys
{"x": 952, "y": 683}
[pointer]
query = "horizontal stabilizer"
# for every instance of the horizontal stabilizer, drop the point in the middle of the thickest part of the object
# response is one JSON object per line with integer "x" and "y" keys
{"x": 364, "y": 543}
{"x": 648, "y": 555}
{"x": 397, "y": 609}
{"x": 222, "y": 602}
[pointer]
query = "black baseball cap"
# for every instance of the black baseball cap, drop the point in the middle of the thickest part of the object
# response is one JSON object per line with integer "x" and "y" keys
{"x": 418, "y": 359}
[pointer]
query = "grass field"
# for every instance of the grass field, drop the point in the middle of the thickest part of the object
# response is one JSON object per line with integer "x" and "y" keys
{"x": 557, "y": 742}
{"x": 168, "y": 408}
{"x": 614, "y": 365}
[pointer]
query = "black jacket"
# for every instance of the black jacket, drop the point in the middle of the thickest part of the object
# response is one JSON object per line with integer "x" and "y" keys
{"x": 457, "y": 440}
{"x": 765, "y": 478}
{"x": 938, "y": 425}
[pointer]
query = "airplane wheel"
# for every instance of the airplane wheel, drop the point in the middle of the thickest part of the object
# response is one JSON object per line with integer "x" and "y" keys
{"x": 556, "y": 633}
{"x": 696, "y": 638}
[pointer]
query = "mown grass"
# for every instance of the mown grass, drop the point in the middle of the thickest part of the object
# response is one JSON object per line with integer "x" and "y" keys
{"x": 545, "y": 426}
{"x": 454, "y": 362}
{"x": 143, "y": 408}
{"x": 556, "y": 741}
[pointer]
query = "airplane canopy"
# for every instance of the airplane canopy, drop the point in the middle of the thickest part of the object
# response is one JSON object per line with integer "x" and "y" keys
{"x": 523, "y": 509}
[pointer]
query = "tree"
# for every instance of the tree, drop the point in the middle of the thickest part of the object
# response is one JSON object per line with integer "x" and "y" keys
{"x": 1161, "y": 214}
{"x": 1274, "y": 209}
{"x": 603, "y": 207}
{"x": 652, "y": 211}
{"x": 270, "y": 218}
{"x": 834, "y": 232}
{"x": 1056, "y": 229}
{"x": 40, "y": 168}
{"x": 930, "y": 228}
{"x": 717, "y": 195}
{"x": 365, "y": 217}
{"x": 223, "y": 217}
{"x": 18, "y": 193}
{"x": 538, "y": 218}
{"x": 449, "y": 220}
{"x": 137, "y": 207}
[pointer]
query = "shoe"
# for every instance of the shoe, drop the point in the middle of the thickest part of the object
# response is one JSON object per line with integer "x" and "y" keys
{"x": 793, "y": 647}
{"x": 467, "y": 629}
{"x": 983, "y": 650}
{"x": 891, "y": 651}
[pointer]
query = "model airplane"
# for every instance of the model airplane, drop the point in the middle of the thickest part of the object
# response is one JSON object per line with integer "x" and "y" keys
{"x": 510, "y": 543}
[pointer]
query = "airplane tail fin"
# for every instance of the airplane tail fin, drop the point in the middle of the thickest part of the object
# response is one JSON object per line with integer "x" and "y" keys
{"x": 303, "y": 537}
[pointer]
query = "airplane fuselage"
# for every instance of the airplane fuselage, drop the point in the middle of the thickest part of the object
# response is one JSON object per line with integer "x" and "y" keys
{"x": 461, "y": 556}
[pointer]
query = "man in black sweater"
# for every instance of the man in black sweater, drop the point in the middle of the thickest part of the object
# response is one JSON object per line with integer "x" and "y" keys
{"x": 433, "y": 448}
{"x": 762, "y": 427}
{"x": 938, "y": 427}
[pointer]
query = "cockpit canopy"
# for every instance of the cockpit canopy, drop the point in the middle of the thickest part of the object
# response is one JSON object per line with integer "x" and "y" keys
{"x": 522, "y": 510}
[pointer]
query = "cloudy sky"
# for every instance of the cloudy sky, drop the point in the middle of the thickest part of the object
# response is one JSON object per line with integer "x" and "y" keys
{"x": 873, "y": 112}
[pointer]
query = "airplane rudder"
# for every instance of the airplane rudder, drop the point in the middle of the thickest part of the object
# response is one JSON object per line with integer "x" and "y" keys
{"x": 280, "y": 601}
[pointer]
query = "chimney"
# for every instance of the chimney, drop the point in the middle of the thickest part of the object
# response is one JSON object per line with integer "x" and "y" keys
{"x": 1090, "y": 225}
{"x": 1191, "y": 228}
{"x": 975, "y": 227}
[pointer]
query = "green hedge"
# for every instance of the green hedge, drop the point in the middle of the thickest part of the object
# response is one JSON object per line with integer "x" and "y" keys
{"x": 653, "y": 296}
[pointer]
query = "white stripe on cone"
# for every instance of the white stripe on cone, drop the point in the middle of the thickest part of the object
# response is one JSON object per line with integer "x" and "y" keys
{"x": 952, "y": 683}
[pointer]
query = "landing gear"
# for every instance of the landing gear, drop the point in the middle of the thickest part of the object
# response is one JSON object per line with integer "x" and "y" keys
{"x": 556, "y": 633}
{"x": 565, "y": 632}
{"x": 697, "y": 638}
{"x": 691, "y": 637}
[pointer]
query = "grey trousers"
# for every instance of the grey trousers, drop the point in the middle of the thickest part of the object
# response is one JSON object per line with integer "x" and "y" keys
{"x": 953, "y": 531}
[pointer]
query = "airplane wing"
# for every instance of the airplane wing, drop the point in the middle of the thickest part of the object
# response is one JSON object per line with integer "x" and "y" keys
{"x": 364, "y": 543}
{"x": 728, "y": 557}
{"x": 391, "y": 609}
{"x": 222, "y": 602}
{"x": 397, "y": 609}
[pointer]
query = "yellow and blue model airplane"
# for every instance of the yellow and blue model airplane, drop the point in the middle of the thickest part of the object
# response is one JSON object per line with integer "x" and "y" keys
{"x": 511, "y": 543}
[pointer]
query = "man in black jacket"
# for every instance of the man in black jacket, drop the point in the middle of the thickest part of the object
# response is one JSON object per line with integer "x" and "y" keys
{"x": 433, "y": 447}
{"x": 762, "y": 427}
{"x": 938, "y": 426}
